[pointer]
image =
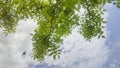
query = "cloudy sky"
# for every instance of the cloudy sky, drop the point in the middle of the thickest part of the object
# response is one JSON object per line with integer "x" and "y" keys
{"x": 76, "y": 52}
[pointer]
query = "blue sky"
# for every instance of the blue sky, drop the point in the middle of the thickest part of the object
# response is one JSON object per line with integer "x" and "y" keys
{"x": 113, "y": 41}
{"x": 76, "y": 52}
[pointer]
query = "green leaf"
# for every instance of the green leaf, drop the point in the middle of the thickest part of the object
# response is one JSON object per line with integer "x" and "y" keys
{"x": 103, "y": 36}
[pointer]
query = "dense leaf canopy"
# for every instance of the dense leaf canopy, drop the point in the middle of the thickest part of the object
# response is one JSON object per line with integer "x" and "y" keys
{"x": 55, "y": 19}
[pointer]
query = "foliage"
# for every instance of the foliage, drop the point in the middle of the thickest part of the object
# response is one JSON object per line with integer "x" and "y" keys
{"x": 55, "y": 19}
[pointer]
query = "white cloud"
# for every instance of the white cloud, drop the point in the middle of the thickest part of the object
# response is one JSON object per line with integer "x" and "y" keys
{"x": 12, "y": 47}
{"x": 77, "y": 53}
{"x": 114, "y": 57}
{"x": 113, "y": 66}
{"x": 114, "y": 63}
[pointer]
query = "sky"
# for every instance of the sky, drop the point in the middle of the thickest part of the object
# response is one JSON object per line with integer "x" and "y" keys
{"x": 76, "y": 52}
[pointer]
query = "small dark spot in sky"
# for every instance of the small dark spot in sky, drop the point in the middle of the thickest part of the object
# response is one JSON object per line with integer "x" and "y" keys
{"x": 24, "y": 53}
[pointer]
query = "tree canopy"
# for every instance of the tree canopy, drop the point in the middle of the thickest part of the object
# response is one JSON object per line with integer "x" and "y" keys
{"x": 55, "y": 19}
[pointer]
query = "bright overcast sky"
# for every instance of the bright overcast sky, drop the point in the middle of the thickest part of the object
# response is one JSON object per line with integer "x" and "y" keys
{"x": 76, "y": 52}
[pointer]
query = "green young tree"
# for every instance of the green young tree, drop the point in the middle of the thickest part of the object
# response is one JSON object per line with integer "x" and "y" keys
{"x": 55, "y": 19}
